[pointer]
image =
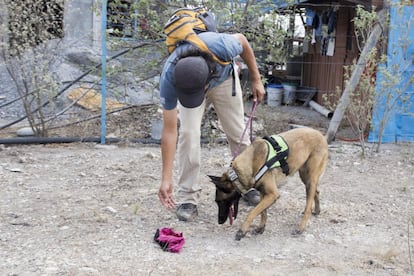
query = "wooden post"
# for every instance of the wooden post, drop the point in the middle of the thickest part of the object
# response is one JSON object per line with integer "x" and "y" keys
{"x": 355, "y": 77}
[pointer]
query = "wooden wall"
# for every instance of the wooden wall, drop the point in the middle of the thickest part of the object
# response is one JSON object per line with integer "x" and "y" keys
{"x": 326, "y": 73}
{"x": 378, "y": 4}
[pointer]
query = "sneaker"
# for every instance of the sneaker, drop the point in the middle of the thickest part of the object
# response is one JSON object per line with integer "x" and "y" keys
{"x": 252, "y": 197}
{"x": 186, "y": 212}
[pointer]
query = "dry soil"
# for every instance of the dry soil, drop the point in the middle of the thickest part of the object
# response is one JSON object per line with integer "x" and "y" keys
{"x": 90, "y": 209}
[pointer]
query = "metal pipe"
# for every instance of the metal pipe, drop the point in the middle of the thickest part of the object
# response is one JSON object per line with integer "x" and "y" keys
{"x": 61, "y": 140}
{"x": 51, "y": 140}
{"x": 325, "y": 112}
{"x": 103, "y": 72}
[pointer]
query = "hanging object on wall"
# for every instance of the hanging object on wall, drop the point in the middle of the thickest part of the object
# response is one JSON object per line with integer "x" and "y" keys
{"x": 333, "y": 14}
{"x": 325, "y": 36}
{"x": 312, "y": 20}
{"x": 329, "y": 19}
{"x": 331, "y": 47}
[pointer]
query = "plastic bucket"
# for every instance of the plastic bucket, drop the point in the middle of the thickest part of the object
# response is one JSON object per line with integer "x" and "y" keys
{"x": 289, "y": 95}
{"x": 274, "y": 94}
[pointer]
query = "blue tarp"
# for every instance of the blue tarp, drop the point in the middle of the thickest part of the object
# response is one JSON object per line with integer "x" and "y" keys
{"x": 396, "y": 109}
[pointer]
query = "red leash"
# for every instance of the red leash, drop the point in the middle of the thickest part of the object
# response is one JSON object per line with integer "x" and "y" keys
{"x": 236, "y": 152}
{"x": 249, "y": 122}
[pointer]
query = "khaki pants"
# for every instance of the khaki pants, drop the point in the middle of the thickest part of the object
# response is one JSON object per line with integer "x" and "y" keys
{"x": 230, "y": 111}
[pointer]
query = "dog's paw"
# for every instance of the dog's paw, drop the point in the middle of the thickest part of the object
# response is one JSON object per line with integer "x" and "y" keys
{"x": 296, "y": 232}
{"x": 259, "y": 230}
{"x": 316, "y": 212}
{"x": 240, "y": 235}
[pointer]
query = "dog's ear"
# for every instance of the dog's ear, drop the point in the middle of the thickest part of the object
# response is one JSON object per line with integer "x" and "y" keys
{"x": 222, "y": 183}
{"x": 217, "y": 181}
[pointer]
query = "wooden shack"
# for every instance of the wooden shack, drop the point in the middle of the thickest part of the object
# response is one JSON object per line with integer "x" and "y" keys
{"x": 326, "y": 53}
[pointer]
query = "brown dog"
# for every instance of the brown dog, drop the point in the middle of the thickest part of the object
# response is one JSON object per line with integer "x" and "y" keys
{"x": 307, "y": 153}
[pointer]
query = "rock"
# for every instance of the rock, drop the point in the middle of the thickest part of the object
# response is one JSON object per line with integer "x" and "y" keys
{"x": 25, "y": 132}
{"x": 110, "y": 210}
{"x": 106, "y": 146}
{"x": 156, "y": 129}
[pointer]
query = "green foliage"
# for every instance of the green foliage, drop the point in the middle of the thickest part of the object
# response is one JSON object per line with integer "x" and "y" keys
{"x": 261, "y": 22}
{"x": 364, "y": 21}
{"x": 34, "y": 30}
{"x": 359, "y": 112}
{"x": 266, "y": 31}
{"x": 32, "y": 22}
{"x": 29, "y": 54}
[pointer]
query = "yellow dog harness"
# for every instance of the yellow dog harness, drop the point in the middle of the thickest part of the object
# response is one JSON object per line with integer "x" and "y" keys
{"x": 278, "y": 152}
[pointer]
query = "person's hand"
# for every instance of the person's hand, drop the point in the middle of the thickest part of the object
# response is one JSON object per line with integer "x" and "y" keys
{"x": 258, "y": 91}
{"x": 165, "y": 194}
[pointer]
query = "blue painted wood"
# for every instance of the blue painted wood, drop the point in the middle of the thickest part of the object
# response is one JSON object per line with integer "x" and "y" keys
{"x": 400, "y": 64}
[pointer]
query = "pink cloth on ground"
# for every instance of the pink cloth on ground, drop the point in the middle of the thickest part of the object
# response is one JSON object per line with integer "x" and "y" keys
{"x": 169, "y": 240}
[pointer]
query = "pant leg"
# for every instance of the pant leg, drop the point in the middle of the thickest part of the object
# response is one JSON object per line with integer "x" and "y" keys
{"x": 230, "y": 111}
{"x": 188, "y": 153}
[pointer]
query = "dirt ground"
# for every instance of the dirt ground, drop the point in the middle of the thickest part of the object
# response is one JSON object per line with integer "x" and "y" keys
{"x": 90, "y": 209}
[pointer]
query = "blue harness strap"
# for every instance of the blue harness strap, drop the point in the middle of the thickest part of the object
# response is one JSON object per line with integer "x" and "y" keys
{"x": 277, "y": 154}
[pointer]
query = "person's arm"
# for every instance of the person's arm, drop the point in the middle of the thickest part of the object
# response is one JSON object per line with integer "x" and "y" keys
{"x": 168, "y": 148}
{"x": 249, "y": 58}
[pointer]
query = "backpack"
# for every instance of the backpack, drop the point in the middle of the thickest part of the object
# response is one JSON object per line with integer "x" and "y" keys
{"x": 185, "y": 24}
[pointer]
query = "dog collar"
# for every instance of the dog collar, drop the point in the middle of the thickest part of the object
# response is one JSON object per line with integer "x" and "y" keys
{"x": 235, "y": 181}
